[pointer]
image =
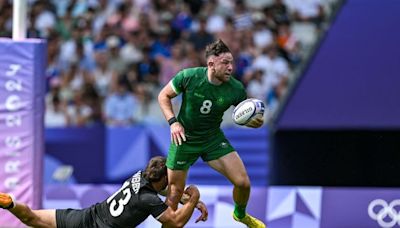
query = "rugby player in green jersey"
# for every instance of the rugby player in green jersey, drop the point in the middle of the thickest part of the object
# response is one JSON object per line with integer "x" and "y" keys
{"x": 207, "y": 92}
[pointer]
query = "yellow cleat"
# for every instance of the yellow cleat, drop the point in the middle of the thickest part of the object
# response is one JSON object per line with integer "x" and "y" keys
{"x": 6, "y": 201}
{"x": 250, "y": 221}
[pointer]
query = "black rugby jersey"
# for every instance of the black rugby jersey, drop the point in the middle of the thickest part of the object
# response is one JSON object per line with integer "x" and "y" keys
{"x": 130, "y": 205}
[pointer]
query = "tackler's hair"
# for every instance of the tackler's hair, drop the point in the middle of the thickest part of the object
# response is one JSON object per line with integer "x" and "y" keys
{"x": 156, "y": 169}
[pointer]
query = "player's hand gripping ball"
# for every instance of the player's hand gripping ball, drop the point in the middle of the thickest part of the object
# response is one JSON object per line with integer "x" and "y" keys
{"x": 246, "y": 110}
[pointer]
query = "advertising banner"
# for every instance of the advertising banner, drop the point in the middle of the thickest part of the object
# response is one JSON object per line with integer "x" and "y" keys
{"x": 360, "y": 207}
{"x": 278, "y": 207}
{"x": 22, "y": 82}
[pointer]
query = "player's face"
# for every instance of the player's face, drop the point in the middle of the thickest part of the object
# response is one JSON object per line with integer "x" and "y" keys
{"x": 223, "y": 67}
{"x": 165, "y": 183}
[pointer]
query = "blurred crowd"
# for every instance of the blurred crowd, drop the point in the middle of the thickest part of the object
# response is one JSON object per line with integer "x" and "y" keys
{"x": 108, "y": 59}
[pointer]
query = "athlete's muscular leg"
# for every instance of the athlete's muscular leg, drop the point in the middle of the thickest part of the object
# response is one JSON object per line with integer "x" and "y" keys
{"x": 176, "y": 187}
{"x": 34, "y": 218}
{"x": 232, "y": 167}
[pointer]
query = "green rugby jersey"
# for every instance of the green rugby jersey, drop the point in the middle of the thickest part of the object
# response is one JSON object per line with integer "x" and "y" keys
{"x": 203, "y": 103}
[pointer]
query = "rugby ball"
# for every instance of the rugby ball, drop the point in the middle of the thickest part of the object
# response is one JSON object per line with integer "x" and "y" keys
{"x": 246, "y": 110}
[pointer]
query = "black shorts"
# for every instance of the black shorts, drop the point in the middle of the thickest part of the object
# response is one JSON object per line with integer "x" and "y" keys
{"x": 72, "y": 218}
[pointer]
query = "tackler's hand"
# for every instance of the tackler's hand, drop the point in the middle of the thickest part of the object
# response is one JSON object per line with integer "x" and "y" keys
{"x": 204, "y": 212}
{"x": 256, "y": 122}
{"x": 193, "y": 192}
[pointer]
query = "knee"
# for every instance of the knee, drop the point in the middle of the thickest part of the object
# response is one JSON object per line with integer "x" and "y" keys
{"x": 243, "y": 182}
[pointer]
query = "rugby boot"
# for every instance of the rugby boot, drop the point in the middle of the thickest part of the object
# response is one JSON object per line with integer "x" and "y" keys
{"x": 6, "y": 201}
{"x": 250, "y": 221}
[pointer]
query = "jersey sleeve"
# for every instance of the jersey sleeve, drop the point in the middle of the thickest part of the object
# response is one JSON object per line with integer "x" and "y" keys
{"x": 178, "y": 82}
{"x": 153, "y": 204}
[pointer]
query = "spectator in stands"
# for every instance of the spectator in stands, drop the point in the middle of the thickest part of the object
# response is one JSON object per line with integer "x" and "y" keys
{"x": 273, "y": 66}
{"x": 53, "y": 69}
{"x": 100, "y": 39}
{"x": 65, "y": 24}
{"x": 279, "y": 12}
{"x": 73, "y": 81}
{"x": 269, "y": 19}
{"x": 201, "y": 37}
{"x": 288, "y": 44}
{"x": 244, "y": 49}
{"x": 262, "y": 36}
{"x": 308, "y": 11}
{"x": 78, "y": 112}
{"x": 147, "y": 111}
{"x": 84, "y": 56}
{"x": 162, "y": 43}
{"x": 68, "y": 53}
{"x": 181, "y": 22}
{"x": 92, "y": 99}
{"x": 131, "y": 52}
{"x": 56, "y": 114}
{"x": 103, "y": 76}
{"x": 242, "y": 16}
{"x": 216, "y": 16}
{"x": 44, "y": 17}
{"x": 192, "y": 55}
{"x": 120, "y": 106}
{"x": 116, "y": 63}
{"x": 170, "y": 66}
{"x": 147, "y": 69}
{"x": 5, "y": 19}
{"x": 195, "y": 5}
{"x": 257, "y": 87}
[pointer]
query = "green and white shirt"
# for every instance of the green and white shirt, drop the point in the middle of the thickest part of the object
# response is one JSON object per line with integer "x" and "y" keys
{"x": 203, "y": 103}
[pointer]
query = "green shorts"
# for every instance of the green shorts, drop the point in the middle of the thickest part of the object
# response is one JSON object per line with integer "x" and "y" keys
{"x": 183, "y": 156}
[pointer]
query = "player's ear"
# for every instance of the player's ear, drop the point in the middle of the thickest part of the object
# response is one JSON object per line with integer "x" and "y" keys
{"x": 210, "y": 62}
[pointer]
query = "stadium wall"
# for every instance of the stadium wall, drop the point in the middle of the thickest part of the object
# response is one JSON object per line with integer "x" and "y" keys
{"x": 340, "y": 125}
{"x": 109, "y": 155}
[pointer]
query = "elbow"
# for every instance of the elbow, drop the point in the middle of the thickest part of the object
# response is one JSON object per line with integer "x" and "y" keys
{"x": 161, "y": 97}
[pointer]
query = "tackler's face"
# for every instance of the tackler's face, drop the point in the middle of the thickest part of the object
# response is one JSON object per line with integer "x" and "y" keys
{"x": 165, "y": 183}
{"x": 222, "y": 67}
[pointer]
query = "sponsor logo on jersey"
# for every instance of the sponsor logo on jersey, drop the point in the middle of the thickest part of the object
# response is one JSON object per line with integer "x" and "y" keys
{"x": 198, "y": 95}
{"x": 136, "y": 182}
{"x": 220, "y": 100}
{"x": 180, "y": 162}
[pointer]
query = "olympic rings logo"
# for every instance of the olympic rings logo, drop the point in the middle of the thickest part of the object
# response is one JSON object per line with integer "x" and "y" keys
{"x": 385, "y": 214}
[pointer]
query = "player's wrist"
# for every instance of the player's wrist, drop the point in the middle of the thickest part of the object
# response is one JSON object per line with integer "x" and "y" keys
{"x": 198, "y": 205}
{"x": 172, "y": 120}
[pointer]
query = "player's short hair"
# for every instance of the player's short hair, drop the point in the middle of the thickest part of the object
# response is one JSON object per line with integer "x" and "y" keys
{"x": 156, "y": 169}
{"x": 216, "y": 48}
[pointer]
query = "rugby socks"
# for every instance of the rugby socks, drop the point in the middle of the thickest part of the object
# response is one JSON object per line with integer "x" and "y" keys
{"x": 240, "y": 211}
